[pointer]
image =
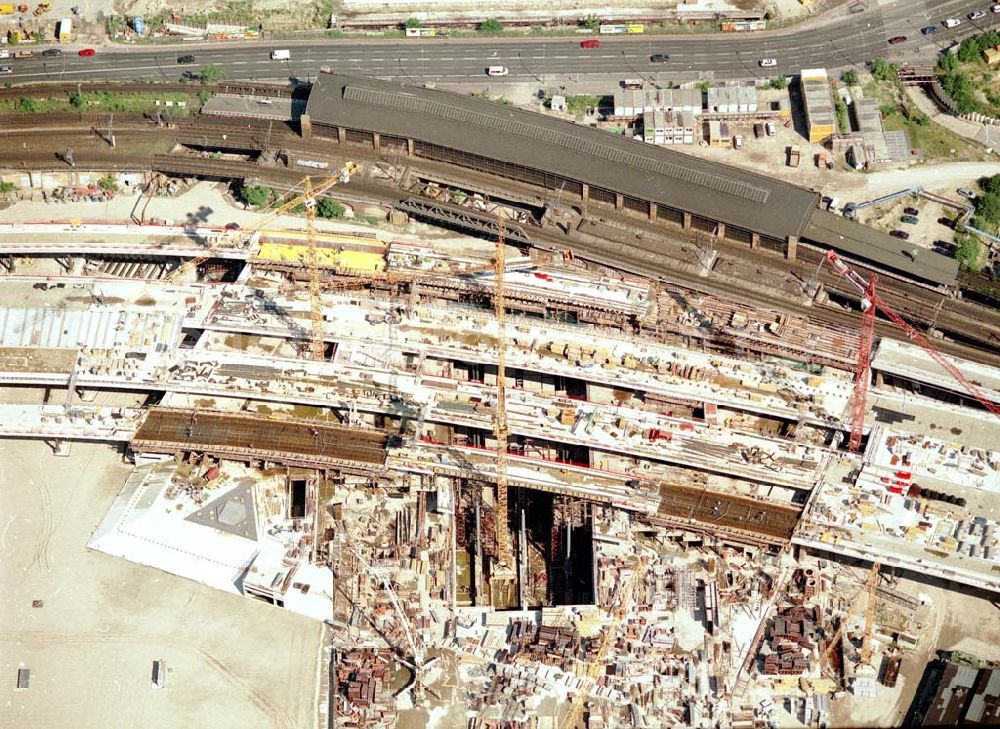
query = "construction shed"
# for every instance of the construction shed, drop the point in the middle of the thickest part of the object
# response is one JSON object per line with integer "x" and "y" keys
{"x": 821, "y": 117}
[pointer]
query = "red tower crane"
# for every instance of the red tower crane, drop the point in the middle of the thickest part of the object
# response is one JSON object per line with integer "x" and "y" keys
{"x": 870, "y": 302}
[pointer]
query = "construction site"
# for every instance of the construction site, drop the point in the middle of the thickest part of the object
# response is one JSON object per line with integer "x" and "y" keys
{"x": 562, "y": 431}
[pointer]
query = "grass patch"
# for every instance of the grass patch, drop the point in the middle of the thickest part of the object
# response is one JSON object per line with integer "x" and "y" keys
{"x": 935, "y": 141}
{"x": 104, "y": 101}
{"x": 578, "y": 105}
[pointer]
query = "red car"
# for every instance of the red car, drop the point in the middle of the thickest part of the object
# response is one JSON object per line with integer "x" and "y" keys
{"x": 897, "y": 39}
{"x": 87, "y": 52}
{"x": 590, "y": 43}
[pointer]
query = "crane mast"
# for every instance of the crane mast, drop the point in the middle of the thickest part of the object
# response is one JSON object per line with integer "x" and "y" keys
{"x": 870, "y": 302}
{"x": 500, "y": 427}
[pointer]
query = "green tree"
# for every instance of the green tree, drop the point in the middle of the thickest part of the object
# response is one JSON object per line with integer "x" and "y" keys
{"x": 882, "y": 70}
{"x": 850, "y": 77}
{"x": 842, "y": 122}
{"x": 990, "y": 184}
{"x": 779, "y": 83}
{"x": 988, "y": 208}
{"x": 967, "y": 252}
{"x": 948, "y": 62}
{"x": 204, "y": 95}
{"x": 962, "y": 92}
{"x": 36, "y": 36}
{"x": 7, "y": 187}
{"x": 108, "y": 183}
{"x": 591, "y": 22}
{"x": 327, "y": 208}
{"x": 920, "y": 119}
{"x": 14, "y": 38}
{"x": 76, "y": 101}
{"x": 28, "y": 105}
{"x": 412, "y": 23}
{"x": 212, "y": 73}
{"x": 490, "y": 26}
{"x": 255, "y": 195}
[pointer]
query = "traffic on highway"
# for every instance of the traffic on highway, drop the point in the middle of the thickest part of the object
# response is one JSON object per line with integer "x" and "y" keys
{"x": 900, "y": 31}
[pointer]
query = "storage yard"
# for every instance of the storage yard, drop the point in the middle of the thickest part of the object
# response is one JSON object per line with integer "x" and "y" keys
{"x": 519, "y": 437}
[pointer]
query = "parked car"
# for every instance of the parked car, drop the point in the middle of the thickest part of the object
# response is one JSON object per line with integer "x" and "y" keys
{"x": 659, "y": 58}
{"x": 897, "y": 39}
{"x": 929, "y": 29}
{"x": 768, "y": 62}
{"x": 911, "y": 211}
{"x": 977, "y": 14}
{"x": 952, "y": 23}
{"x": 901, "y": 234}
{"x": 995, "y": 7}
{"x": 965, "y": 192}
{"x": 910, "y": 219}
{"x": 947, "y": 223}
{"x": 6, "y": 69}
{"x": 944, "y": 247}
{"x": 183, "y": 60}
{"x": 49, "y": 53}
{"x": 590, "y": 43}
{"x": 232, "y": 226}
{"x": 86, "y": 52}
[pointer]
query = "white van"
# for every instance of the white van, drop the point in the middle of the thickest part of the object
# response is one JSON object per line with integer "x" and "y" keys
{"x": 496, "y": 71}
{"x": 282, "y": 55}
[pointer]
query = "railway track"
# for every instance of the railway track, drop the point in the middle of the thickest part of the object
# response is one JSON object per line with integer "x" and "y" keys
{"x": 248, "y": 88}
{"x": 241, "y": 435}
{"x": 974, "y": 327}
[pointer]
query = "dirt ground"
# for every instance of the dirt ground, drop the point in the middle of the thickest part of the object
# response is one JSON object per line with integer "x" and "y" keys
{"x": 952, "y": 620}
{"x": 232, "y": 662}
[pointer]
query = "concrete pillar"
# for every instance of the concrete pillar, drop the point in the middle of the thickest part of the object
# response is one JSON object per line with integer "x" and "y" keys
{"x": 720, "y": 230}
{"x": 305, "y": 126}
{"x": 755, "y": 240}
{"x": 376, "y": 141}
{"x": 619, "y": 201}
{"x": 409, "y": 146}
{"x": 687, "y": 221}
{"x": 652, "y": 211}
{"x": 341, "y": 135}
{"x": 584, "y": 191}
{"x": 790, "y": 249}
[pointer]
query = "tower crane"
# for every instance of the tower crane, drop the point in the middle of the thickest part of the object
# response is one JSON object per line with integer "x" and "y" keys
{"x": 865, "y": 652}
{"x": 870, "y": 302}
{"x": 504, "y": 569}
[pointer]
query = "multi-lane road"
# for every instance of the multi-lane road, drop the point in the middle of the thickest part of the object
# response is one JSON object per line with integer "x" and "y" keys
{"x": 848, "y": 40}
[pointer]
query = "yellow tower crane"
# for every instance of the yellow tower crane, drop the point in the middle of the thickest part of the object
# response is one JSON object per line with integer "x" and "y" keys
{"x": 865, "y": 652}
{"x": 504, "y": 569}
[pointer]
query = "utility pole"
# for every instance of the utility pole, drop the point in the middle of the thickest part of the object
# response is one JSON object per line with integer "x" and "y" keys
{"x": 111, "y": 130}
{"x": 68, "y": 157}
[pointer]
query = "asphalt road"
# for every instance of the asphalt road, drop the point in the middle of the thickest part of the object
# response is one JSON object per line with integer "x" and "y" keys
{"x": 850, "y": 40}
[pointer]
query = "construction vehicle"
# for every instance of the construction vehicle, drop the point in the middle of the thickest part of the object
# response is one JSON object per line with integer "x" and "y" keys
{"x": 43, "y": 8}
{"x": 794, "y": 154}
{"x": 870, "y": 303}
{"x": 6, "y": 8}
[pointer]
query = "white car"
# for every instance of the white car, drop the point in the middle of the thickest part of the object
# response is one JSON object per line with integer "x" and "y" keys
{"x": 768, "y": 62}
{"x": 977, "y": 14}
{"x": 952, "y": 23}
{"x": 496, "y": 71}
{"x": 6, "y": 69}
{"x": 995, "y": 7}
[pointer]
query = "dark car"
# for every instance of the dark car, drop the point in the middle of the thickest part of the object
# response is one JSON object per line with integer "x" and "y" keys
{"x": 52, "y": 52}
{"x": 901, "y": 234}
{"x": 185, "y": 59}
{"x": 910, "y": 219}
{"x": 928, "y": 29}
{"x": 897, "y": 39}
{"x": 659, "y": 58}
{"x": 947, "y": 222}
{"x": 911, "y": 211}
{"x": 232, "y": 226}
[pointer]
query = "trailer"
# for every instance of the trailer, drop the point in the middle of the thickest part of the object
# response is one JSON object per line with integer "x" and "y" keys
{"x": 794, "y": 155}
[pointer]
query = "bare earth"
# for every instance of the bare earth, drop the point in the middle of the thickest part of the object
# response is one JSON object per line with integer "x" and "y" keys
{"x": 232, "y": 662}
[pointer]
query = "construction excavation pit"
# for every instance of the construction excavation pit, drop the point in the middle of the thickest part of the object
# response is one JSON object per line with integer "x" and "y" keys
{"x": 497, "y": 438}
